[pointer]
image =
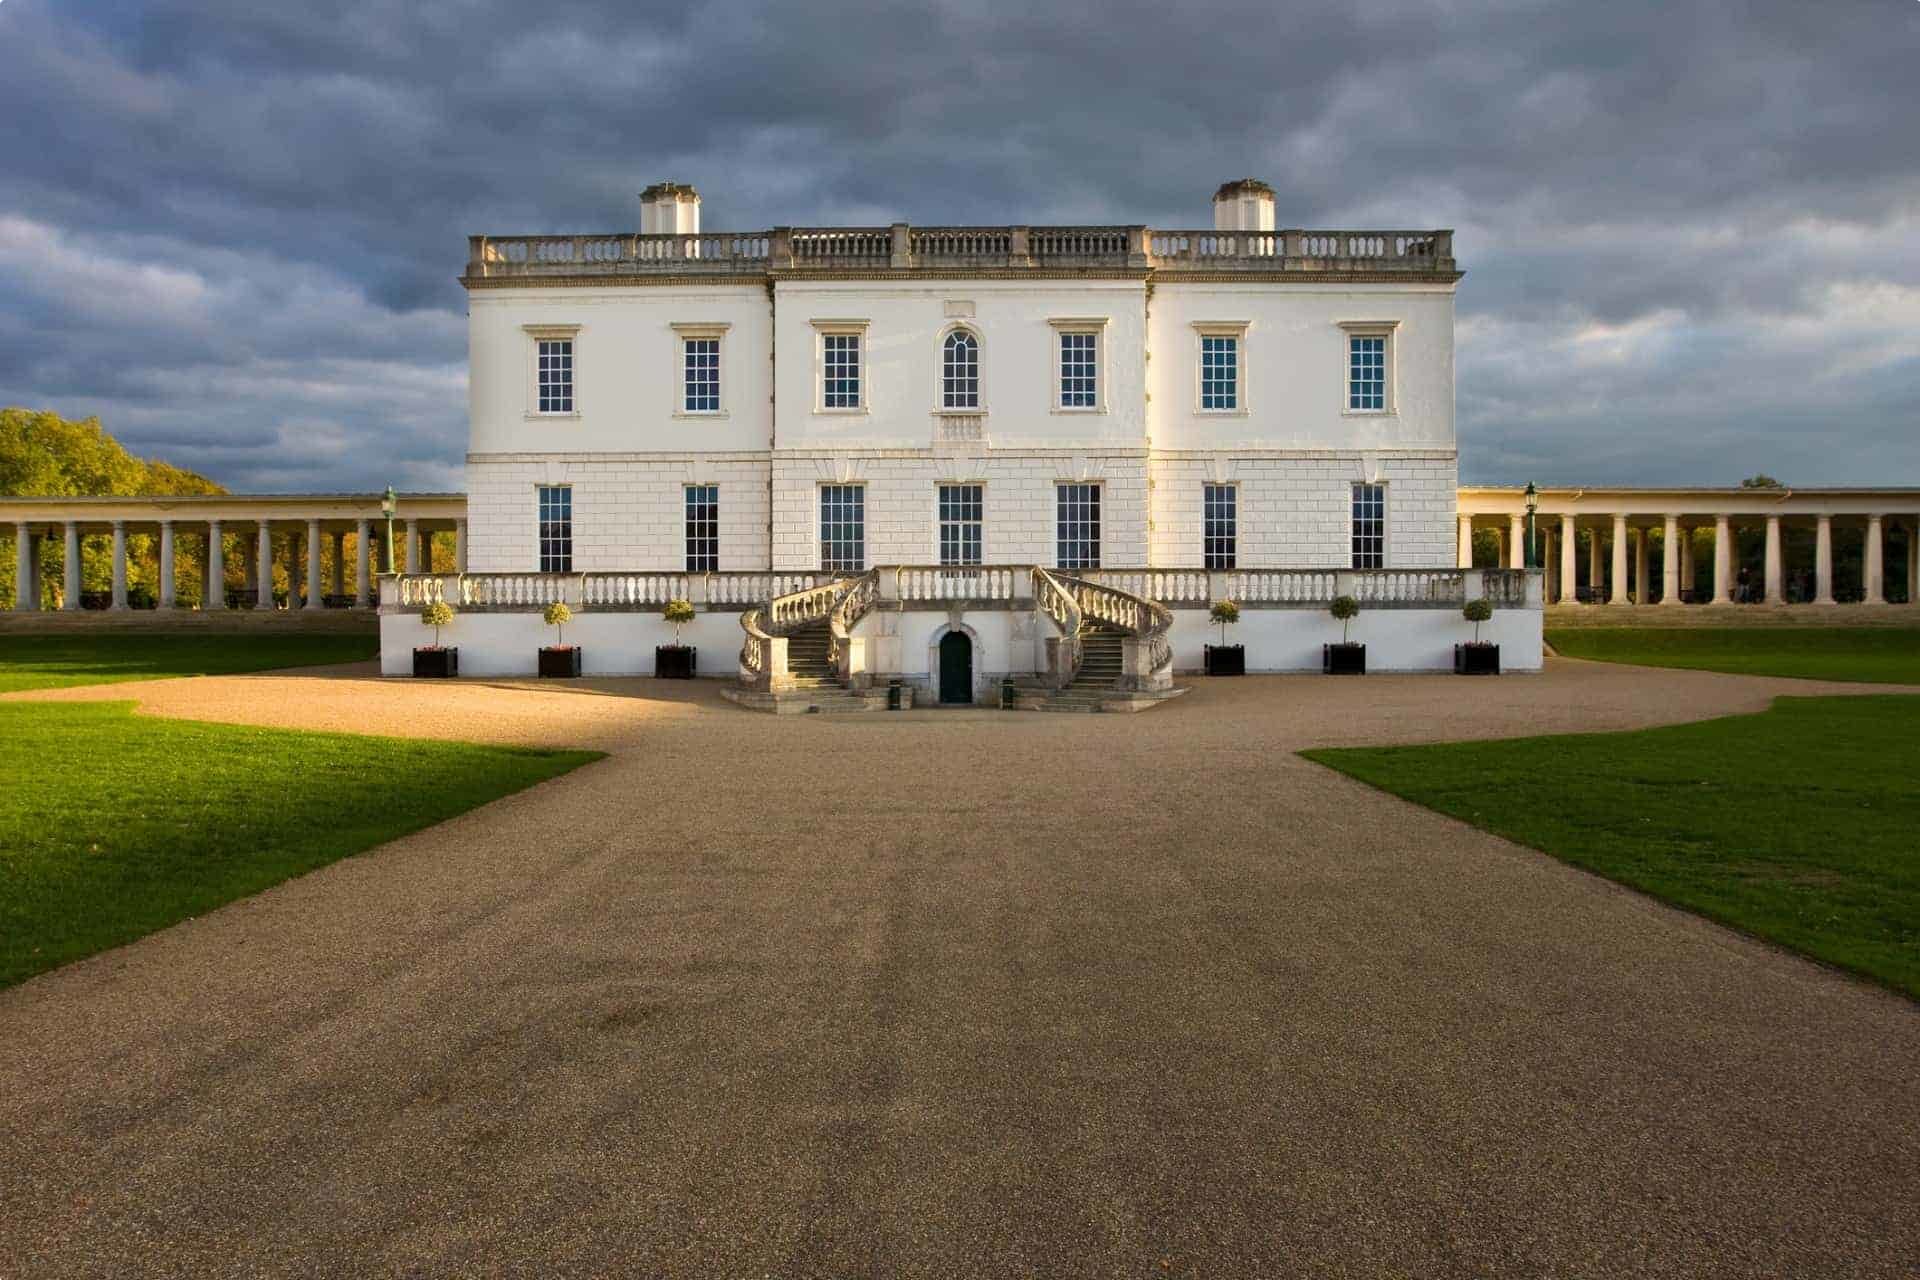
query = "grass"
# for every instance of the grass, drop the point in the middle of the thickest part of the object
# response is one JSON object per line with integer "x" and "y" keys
{"x": 1800, "y": 825}
{"x": 52, "y": 662}
{"x": 113, "y": 826}
{"x": 1877, "y": 655}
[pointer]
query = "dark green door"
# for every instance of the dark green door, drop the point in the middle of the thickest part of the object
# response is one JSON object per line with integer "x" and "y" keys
{"x": 956, "y": 667}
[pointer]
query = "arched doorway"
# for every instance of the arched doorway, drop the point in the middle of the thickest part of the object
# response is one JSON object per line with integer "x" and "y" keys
{"x": 956, "y": 668}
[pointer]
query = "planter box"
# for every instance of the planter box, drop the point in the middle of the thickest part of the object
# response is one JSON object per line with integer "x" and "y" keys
{"x": 1476, "y": 659}
{"x": 1344, "y": 659}
{"x": 560, "y": 660}
{"x": 1226, "y": 659}
{"x": 673, "y": 661}
{"x": 436, "y": 664}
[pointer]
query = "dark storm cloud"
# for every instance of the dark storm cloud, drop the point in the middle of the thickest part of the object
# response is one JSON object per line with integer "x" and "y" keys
{"x": 231, "y": 229}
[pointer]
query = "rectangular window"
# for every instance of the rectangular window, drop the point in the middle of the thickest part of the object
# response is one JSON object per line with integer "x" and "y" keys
{"x": 1077, "y": 526}
{"x": 1219, "y": 372}
{"x": 1219, "y": 534}
{"x": 1369, "y": 526}
{"x": 556, "y": 528}
{"x": 703, "y": 528}
{"x": 702, "y": 375}
{"x": 962, "y": 516}
{"x": 840, "y": 388}
{"x": 555, "y": 377}
{"x": 1079, "y": 370}
{"x": 843, "y": 528}
{"x": 1367, "y": 373}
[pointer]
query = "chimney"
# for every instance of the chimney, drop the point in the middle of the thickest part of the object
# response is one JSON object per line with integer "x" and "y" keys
{"x": 669, "y": 209}
{"x": 1246, "y": 205}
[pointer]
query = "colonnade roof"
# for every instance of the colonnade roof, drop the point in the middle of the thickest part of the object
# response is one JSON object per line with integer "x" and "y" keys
{"x": 238, "y": 508}
{"x": 1594, "y": 501}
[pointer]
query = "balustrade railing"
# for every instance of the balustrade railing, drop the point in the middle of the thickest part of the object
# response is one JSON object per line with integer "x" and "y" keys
{"x": 632, "y": 590}
{"x": 517, "y": 590}
{"x": 1062, "y": 607}
{"x": 959, "y": 428}
{"x": 1169, "y": 586}
{"x": 1409, "y": 586}
{"x": 1278, "y": 586}
{"x": 969, "y": 582}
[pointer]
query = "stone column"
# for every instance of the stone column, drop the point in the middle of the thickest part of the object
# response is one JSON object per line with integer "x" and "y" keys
{"x": 70, "y": 589}
{"x": 1722, "y": 560}
{"x": 313, "y": 566}
{"x": 213, "y": 594}
{"x": 1464, "y": 549}
{"x": 1688, "y": 569}
{"x": 1823, "y": 561}
{"x": 1569, "y": 562}
{"x": 1516, "y": 542}
{"x": 1596, "y": 573}
{"x": 1775, "y": 572}
{"x": 412, "y": 548}
{"x": 340, "y": 562}
{"x": 166, "y": 564}
{"x": 23, "y": 597}
{"x": 1670, "y": 562}
{"x": 263, "y": 567}
{"x": 1876, "y": 565}
{"x": 119, "y": 564}
{"x": 1640, "y": 554}
{"x": 460, "y": 545}
{"x": 363, "y": 563}
{"x": 1617, "y": 588}
{"x": 1547, "y": 562}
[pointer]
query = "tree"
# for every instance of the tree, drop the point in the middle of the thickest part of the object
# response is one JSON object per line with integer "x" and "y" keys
{"x": 1761, "y": 481}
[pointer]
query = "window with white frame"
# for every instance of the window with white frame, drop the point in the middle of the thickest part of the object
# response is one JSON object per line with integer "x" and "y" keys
{"x": 703, "y": 528}
{"x": 1079, "y": 370}
{"x": 962, "y": 518}
{"x": 843, "y": 528}
{"x": 553, "y": 375}
{"x": 1369, "y": 526}
{"x": 701, "y": 362}
{"x": 1219, "y": 372}
{"x": 555, "y": 503}
{"x": 1219, "y": 526}
{"x": 1367, "y": 372}
{"x": 960, "y": 371}
{"x": 840, "y": 371}
{"x": 1077, "y": 526}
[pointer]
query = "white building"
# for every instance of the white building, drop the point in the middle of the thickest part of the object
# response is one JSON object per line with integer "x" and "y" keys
{"x": 1103, "y": 401}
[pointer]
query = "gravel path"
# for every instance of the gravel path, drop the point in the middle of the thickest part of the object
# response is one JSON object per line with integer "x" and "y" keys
{"x": 957, "y": 994}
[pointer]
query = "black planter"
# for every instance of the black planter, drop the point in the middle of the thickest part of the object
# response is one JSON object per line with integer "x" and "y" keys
{"x": 436, "y": 664}
{"x": 1476, "y": 659}
{"x": 560, "y": 660}
{"x": 673, "y": 661}
{"x": 1344, "y": 659}
{"x": 1226, "y": 659}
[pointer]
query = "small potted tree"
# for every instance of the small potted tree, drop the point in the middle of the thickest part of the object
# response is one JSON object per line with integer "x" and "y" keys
{"x": 1225, "y": 659}
{"x": 1476, "y": 658}
{"x": 1345, "y": 658}
{"x": 436, "y": 660}
{"x": 675, "y": 661}
{"x": 561, "y": 659}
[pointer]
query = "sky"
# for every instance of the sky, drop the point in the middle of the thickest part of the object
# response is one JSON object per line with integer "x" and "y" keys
{"x": 1691, "y": 230}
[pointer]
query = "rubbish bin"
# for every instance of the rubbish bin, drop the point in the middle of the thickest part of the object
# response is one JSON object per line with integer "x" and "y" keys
{"x": 893, "y": 695}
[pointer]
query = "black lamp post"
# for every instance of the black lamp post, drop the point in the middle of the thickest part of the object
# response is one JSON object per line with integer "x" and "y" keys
{"x": 1533, "y": 550}
{"x": 386, "y": 509}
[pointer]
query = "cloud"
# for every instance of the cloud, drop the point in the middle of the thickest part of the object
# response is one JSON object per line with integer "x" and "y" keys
{"x": 1690, "y": 231}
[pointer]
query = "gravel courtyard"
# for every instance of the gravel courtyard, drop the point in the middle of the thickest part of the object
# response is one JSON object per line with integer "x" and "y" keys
{"x": 957, "y": 994}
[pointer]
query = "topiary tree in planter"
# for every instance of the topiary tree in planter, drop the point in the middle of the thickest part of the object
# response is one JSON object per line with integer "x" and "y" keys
{"x": 675, "y": 661}
{"x": 436, "y": 660}
{"x": 1345, "y": 608}
{"x": 1226, "y": 613}
{"x": 1477, "y": 612}
{"x": 1225, "y": 659}
{"x": 1476, "y": 658}
{"x": 561, "y": 659}
{"x": 1345, "y": 658}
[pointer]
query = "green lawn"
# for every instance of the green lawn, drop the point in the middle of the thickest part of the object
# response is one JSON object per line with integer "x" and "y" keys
{"x": 1877, "y": 655}
{"x": 113, "y": 826}
{"x": 50, "y": 662}
{"x": 1801, "y": 824}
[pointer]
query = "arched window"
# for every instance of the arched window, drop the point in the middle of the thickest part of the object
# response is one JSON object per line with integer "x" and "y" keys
{"x": 960, "y": 371}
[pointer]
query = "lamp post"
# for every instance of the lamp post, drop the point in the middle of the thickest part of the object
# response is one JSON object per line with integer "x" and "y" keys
{"x": 386, "y": 509}
{"x": 1533, "y": 551}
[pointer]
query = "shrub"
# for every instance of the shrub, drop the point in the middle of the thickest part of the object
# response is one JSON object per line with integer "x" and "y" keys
{"x": 679, "y": 613}
{"x": 558, "y": 616}
{"x": 1345, "y": 608}
{"x": 437, "y": 615}
{"x": 1226, "y": 613}
{"x": 1477, "y": 612}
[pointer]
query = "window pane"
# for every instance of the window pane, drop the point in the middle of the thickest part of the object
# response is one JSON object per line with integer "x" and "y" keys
{"x": 841, "y": 386}
{"x": 1369, "y": 526}
{"x": 1079, "y": 372}
{"x": 1366, "y": 373}
{"x": 843, "y": 528}
{"x": 1219, "y": 373}
{"x": 1077, "y": 526}
{"x": 703, "y": 528}
{"x": 703, "y": 375}
{"x": 1219, "y": 534}
{"x": 555, "y": 375}
{"x": 960, "y": 371}
{"x": 962, "y": 507}
{"x": 555, "y": 504}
